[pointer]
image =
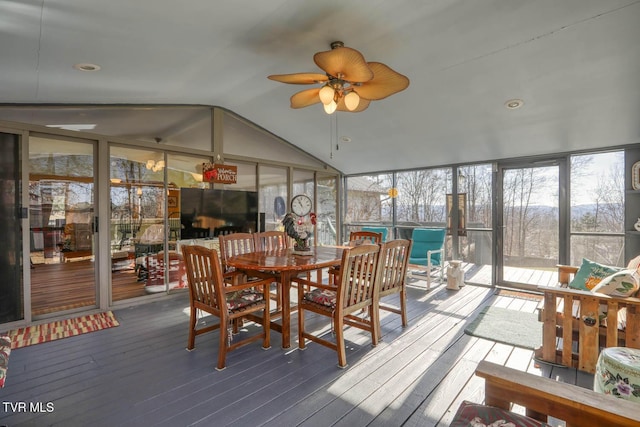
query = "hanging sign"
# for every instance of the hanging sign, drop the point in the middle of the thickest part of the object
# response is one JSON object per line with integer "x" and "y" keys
{"x": 219, "y": 173}
{"x": 462, "y": 213}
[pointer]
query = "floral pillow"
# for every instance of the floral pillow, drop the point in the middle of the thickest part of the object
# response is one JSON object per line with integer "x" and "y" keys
{"x": 5, "y": 350}
{"x": 623, "y": 283}
{"x": 590, "y": 274}
{"x": 322, "y": 296}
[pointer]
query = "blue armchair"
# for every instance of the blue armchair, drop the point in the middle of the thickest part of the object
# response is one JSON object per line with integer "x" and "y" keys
{"x": 428, "y": 250}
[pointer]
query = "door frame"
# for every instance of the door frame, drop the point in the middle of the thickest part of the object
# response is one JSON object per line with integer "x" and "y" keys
{"x": 563, "y": 212}
{"x": 100, "y": 301}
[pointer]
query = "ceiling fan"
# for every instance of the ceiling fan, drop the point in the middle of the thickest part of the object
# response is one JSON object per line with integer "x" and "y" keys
{"x": 350, "y": 82}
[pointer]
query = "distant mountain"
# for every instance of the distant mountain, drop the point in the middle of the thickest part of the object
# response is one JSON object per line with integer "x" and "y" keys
{"x": 580, "y": 210}
{"x": 577, "y": 211}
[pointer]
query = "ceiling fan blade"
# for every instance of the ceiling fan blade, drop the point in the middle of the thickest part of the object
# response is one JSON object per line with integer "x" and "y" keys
{"x": 384, "y": 83}
{"x": 344, "y": 63}
{"x": 362, "y": 105}
{"x": 299, "y": 78}
{"x": 305, "y": 98}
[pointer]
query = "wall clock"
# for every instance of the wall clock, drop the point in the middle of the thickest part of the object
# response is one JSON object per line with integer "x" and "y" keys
{"x": 301, "y": 205}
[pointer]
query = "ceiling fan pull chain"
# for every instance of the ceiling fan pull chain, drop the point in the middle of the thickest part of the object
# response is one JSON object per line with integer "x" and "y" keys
{"x": 337, "y": 143}
{"x": 330, "y": 137}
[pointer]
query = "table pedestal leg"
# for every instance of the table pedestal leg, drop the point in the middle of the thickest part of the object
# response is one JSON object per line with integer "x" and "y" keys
{"x": 285, "y": 282}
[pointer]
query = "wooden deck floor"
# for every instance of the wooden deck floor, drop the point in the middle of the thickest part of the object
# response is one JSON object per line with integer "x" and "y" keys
{"x": 139, "y": 374}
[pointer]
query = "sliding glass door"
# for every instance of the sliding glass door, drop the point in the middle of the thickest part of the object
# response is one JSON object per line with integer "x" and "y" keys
{"x": 62, "y": 225}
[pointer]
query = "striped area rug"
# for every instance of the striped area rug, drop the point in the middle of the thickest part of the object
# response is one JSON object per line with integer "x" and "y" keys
{"x": 37, "y": 334}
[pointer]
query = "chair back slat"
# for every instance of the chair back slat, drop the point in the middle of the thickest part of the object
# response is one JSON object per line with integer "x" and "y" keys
{"x": 357, "y": 283}
{"x": 381, "y": 230}
{"x": 394, "y": 260}
{"x": 235, "y": 244}
{"x": 365, "y": 237}
{"x": 271, "y": 240}
{"x": 204, "y": 276}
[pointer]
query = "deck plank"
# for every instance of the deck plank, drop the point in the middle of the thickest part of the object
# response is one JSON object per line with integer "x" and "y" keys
{"x": 140, "y": 374}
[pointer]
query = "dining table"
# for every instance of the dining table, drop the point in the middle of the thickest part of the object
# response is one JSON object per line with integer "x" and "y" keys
{"x": 284, "y": 265}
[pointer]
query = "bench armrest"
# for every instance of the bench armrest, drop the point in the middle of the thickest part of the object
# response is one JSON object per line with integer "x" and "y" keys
{"x": 545, "y": 397}
{"x": 566, "y": 273}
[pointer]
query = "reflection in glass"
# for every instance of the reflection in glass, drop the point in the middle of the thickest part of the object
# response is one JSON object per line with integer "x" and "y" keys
{"x": 326, "y": 210}
{"x": 61, "y": 222}
{"x": 273, "y": 195}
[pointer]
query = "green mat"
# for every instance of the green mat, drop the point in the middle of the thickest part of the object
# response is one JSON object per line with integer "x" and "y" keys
{"x": 506, "y": 326}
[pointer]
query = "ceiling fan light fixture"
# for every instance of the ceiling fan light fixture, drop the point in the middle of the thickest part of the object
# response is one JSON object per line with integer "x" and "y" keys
{"x": 326, "y": 94}
{"x": 351, "y": 100}
{"x": 330, "y": 108}
{"x": 345, "y": 68}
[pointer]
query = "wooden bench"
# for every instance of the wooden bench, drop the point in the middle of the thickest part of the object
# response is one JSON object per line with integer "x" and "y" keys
{"x": 572, "y": 335}
{"x": 543, "y": 397}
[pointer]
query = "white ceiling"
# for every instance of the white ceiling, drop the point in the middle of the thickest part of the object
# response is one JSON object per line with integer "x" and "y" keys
{"x": 575, "y": 63}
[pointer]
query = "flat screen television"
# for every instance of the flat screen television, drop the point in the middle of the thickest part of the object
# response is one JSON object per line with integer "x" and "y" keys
{"x": 208, "y": 212}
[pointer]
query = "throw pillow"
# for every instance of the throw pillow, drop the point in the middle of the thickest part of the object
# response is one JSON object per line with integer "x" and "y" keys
{"x": 5, "y": 350}
{"x": 623, "y": 283}
{"x": 590, "y": 274}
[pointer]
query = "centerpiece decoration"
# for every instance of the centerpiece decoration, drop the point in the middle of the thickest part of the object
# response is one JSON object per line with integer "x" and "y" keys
{"x": 297, "y": 226}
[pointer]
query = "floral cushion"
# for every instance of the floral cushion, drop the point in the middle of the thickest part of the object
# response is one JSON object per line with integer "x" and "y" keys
{"x": 321, "y": 296}
{"x": 5, "y": 350}
{"x": 590, "y": 274}
{"x": 475, "y": 415}
{"x": 243, "y": 299}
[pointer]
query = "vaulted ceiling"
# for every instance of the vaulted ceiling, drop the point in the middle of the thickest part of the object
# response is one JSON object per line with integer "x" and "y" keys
{"x": 574, "y": 63}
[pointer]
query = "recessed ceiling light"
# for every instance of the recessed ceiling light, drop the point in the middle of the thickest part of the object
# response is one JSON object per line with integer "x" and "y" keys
{"x": 512, "y": 104}
{"x": 86, "y": 67}
{"x": 345, "y": 139}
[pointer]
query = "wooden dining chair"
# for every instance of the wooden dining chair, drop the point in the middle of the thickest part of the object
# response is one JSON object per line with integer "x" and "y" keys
{"x": 238, "y": 244}
{"x": 350, "y": 302}
{"x": 271, "y": 240}
{"x": 394, "y": 259}
{"x": 209, "y": 292}
{"x": 359, "y": 237}
{"x": 356, "y": 238}
{"x": 226, "y": 230}
{"x": 381, "y": 230}
{"x": 232, "y": 245}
